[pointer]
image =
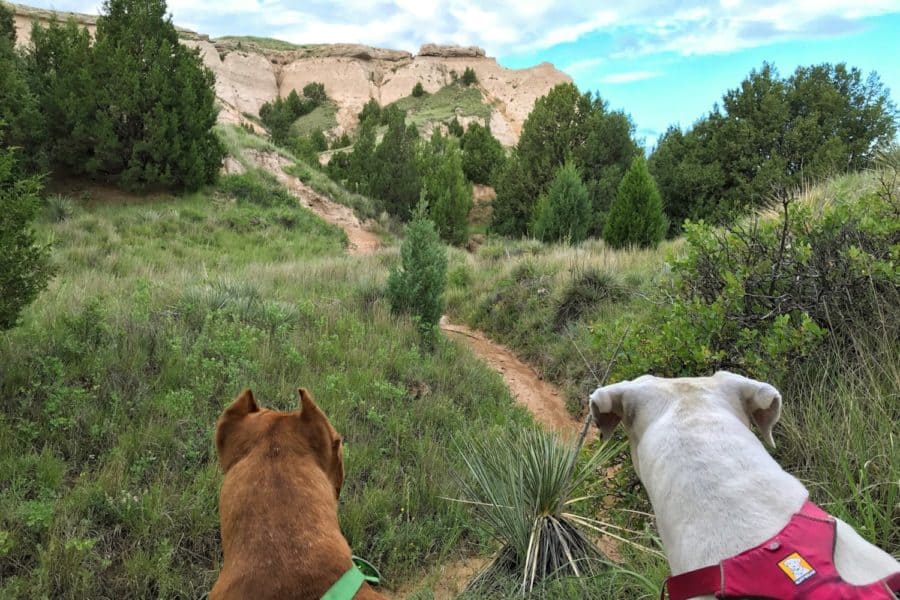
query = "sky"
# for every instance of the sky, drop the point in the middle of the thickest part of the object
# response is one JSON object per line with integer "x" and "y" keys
{"x": 662, "y": 62}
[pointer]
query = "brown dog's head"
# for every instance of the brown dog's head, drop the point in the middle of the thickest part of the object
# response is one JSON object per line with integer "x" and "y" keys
{"x": 244, "y": 426}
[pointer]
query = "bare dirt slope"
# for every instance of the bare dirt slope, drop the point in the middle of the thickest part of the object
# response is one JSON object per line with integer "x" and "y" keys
{"x": 362, "y": 241}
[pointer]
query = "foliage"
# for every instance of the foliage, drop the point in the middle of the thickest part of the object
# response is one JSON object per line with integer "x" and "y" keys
{"x": 393, "y": 172}
{"x": 257, "y": 188}
{"x": 445, "y": 190}
{"x": 454, "y": 127}
{"x": 563, "y": 213}
{"x": 636, "y": 217}
{"x": 360, "y": 167}
{"x": 759, "y": 295}
{"x": 469, "y": 77}
{"x": 319, "y": 142}
{"x": 442, "y": 106}
{"x": 770, "y": 136}
{"x": 416, "y": 286}
{"x": 520, "y": 487}
{"x": 315, "y": 92}
{"x": 483, "y": 155}
{"x": 370, "y": 110}
{"x": 343, "y": 141}
{"x": 278, "y": 116}
{"x": 24, "y": 264}
{"x": 418, "y": 91}
{"x": 564, "y": 125}
{"x": 19, "y": 111}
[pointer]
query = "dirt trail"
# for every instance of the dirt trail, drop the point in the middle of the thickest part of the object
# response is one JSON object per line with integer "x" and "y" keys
{"x": 542, "y": 399}
{"x": 362, "y": 241}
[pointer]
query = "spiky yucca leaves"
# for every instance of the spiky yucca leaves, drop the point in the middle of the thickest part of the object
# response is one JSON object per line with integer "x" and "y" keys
{"x": 519, "y": 486}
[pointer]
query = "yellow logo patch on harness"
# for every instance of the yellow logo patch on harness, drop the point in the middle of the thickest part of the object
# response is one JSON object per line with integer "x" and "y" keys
{"x": 796, "y": 567}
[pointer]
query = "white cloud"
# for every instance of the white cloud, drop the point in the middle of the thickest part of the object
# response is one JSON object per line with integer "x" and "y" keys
{"x": 511, "y": 26}
{"x": 628, "y": 77}
{"x": 581, "y": 66}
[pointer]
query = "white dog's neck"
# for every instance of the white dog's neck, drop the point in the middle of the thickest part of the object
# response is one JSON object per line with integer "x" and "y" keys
{"x": 715, "y": 490}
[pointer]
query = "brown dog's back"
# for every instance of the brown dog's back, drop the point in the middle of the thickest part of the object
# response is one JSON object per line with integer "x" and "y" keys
{"x": 278, "y": 505}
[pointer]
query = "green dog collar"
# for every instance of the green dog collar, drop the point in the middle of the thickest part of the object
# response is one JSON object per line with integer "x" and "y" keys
{"x": 347, "y": 586}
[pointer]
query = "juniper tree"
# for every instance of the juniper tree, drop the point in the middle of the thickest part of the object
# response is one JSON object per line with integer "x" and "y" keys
{"x": 636, "y": 216}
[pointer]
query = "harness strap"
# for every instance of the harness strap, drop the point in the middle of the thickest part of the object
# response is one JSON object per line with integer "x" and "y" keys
{"x": 707, "y": 580}
{"x": 346, "y": 587}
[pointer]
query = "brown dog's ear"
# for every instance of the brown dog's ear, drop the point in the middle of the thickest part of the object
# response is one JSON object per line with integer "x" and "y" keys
{"x": 243, "y": 405}
{"x": 606, "y": 408}
{"x": 759, "y": 400}
{"x": 308, "y": 407}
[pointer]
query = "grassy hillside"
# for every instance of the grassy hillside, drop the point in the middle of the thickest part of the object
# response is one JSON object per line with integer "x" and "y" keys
{"x": 163, "y": 308}
{"x": 444, "y": 104}
{"x": 322, "y": 118}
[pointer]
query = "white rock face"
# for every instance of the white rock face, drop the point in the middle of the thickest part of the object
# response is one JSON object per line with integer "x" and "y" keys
{"x": 352, "y": 74}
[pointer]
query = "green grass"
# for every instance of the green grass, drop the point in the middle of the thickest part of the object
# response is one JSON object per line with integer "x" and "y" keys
{"x": 161, "y": 311}
{"x": 322, "y": 118}
{"x": 251, "y": 42}
{"x": 443, "y": 105}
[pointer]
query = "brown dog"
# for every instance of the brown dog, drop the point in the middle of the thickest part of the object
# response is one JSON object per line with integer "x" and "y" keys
{"x": 278, "y": 506}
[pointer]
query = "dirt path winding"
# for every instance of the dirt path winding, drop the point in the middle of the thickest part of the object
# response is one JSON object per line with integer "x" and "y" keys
{"x": 542, "y": 399}
{"x": 362, "y": 241}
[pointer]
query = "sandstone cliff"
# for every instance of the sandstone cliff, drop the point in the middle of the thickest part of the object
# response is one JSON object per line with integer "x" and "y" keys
{"x": 249, "y": 74}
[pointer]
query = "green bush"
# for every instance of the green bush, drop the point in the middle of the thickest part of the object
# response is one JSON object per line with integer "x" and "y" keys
{"x": 564, "y": 212}
{"x": 319, "y": 141}
{"x": 256, "y": 188}
{"x": 418, "y": 91}
{"x": 315, "y": 91}
{"x": 469, "y": 77}
{"x": 416, "y": 287}
{"x": 371, "y": 110}
{"x": 636, "y": 216}
{"x": 760, "y": 295}
{"x": 24, "y": 265}
{"x": 455, "y": 128}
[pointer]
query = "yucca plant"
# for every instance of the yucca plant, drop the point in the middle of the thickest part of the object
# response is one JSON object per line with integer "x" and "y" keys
{"x": 520, "y": 487}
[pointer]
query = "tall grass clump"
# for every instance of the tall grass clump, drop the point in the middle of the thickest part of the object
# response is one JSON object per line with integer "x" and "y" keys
{"x": 520, "y": 488}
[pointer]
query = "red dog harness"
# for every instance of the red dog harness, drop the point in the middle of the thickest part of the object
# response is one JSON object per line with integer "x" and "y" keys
{"x": 798, "y": 562}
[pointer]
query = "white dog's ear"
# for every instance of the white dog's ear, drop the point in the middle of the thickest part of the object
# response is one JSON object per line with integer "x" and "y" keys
{"x": 606, "y": 408}
{"x": 761, "y": 401}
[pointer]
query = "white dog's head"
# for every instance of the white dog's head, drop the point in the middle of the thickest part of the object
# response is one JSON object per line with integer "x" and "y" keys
{"x": 643, "y": 402}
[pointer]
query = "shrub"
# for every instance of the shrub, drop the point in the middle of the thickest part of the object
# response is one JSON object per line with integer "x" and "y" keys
{"x": 342, "y": 142}
{"x": 564, "y": 213}
{"x": 469, "y": 77}
{"x": 58, "y": 208}
{"x": 256, "y": 188}
{"x": 319, "y": 141}
{"x": 24, "y": 265}
{"x": 315, "y": 91}
{"x": 636, "y": 216}
{"x": 418, "y": 91}
{"x": 371, "y": 110}
{"x": 416, "y": 287}
{"x": 455, "y": 128}
{"x": 760, "y": 295}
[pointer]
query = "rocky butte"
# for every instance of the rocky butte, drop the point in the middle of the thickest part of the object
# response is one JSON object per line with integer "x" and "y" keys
{"x": 251, "y": 71}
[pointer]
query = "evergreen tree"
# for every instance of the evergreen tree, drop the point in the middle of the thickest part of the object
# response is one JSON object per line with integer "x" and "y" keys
{"x": 418, "y": 91}
{"x": 18, "y": 106}
{"x": 155, "y": 104}
{"x": 360, "y": 163}
{"x": 564, "y": 125}
{"x": 60, "y": 67}
{"x": 417, "y": 286}
{"x": 24, "y": 266}
{"x": 319, "y": 142}
{"x": 469, "y": 77}
{"x": 445, "y": 189}
{"x": 483, "y": 155}
{"x": 564, "y": 212}
{"x": 636, "y": 216}
{"x": 394, "y": 177}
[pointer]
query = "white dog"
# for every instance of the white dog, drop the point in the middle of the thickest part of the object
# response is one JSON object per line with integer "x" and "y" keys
{"x": 716, "y": 491}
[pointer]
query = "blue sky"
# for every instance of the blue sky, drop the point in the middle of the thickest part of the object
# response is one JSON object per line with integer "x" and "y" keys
{"x": 663, "y": 62}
